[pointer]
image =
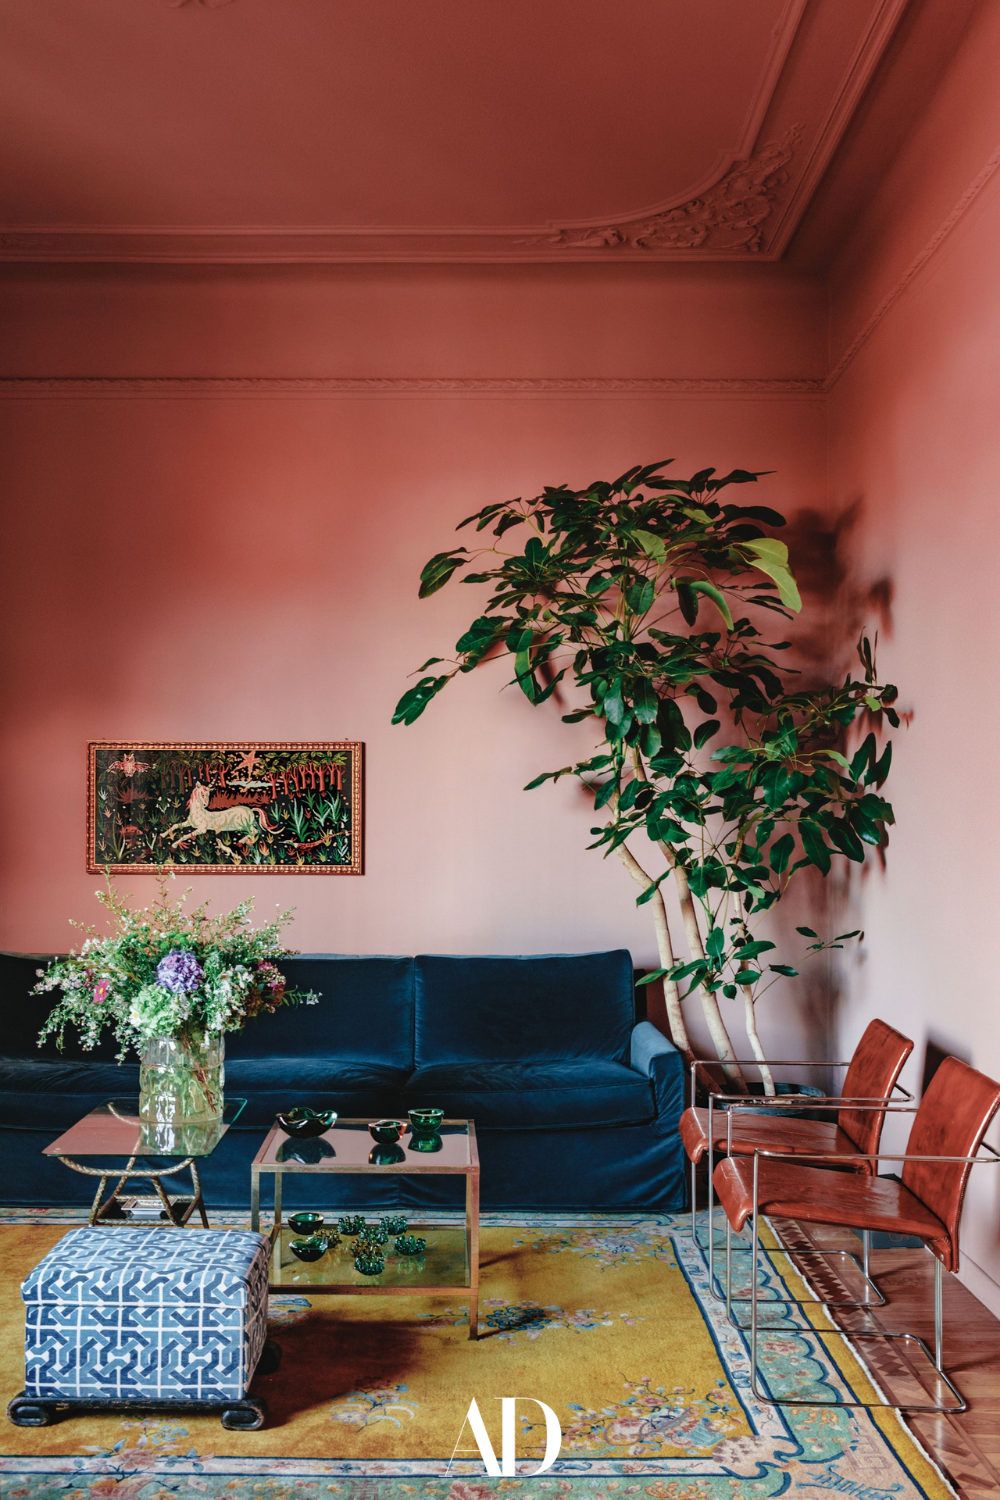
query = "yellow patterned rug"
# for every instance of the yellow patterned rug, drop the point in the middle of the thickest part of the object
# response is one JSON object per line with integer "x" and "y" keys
{"x": 608, "y": 1323}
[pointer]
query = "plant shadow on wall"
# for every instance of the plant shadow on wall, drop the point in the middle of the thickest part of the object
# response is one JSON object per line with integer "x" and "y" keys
{"x": 720, "y": 767}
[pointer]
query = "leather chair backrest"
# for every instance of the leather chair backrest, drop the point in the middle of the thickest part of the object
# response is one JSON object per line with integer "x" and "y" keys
{"x": 876, "y": 1065}
{"x": 952, "y": 1120}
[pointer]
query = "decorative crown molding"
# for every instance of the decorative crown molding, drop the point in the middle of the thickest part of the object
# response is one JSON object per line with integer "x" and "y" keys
{"x": 729, "y": 217}
{"x": 242, "y": 386}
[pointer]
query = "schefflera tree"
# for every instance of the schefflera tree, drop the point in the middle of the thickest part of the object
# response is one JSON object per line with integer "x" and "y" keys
{"x": 643, "y": 602}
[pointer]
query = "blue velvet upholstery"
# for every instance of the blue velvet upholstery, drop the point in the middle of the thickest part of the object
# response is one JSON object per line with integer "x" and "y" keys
{"x": 507, "y": 1009}
{"x": 535, "y": 1095}
{"x": 576, "y": 1106}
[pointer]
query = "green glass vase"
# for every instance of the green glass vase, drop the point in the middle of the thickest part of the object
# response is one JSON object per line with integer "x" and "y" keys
{"x": 181, "y": 1080}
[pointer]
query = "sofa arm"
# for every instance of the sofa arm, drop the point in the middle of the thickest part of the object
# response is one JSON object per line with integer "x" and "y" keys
{"x": 656, "y": 1057}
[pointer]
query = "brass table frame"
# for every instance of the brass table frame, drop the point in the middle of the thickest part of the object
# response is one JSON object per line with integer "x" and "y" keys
{"x": 177, "y": 1210}
{"x": 417, "y": 1166}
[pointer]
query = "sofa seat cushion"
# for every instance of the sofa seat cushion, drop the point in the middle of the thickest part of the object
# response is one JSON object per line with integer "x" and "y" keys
{"x": 36, "y": 1091}
{"x": 366, "y": 1089}
{"x": 535, "y": 1096}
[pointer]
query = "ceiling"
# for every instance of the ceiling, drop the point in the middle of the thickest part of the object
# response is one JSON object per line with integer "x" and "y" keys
{"x": 368, "y": 130}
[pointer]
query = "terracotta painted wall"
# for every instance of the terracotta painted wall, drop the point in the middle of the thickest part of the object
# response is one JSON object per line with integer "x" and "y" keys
{"x": 245, "y": 566}
{"x": 915, "y": 455}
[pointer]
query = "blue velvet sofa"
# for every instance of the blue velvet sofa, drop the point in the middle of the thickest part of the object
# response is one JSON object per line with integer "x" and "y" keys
{"x": 576, "y": 1105}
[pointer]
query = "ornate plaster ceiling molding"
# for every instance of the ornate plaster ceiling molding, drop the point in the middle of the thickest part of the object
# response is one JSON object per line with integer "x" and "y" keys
{"x": 730, "y": 216}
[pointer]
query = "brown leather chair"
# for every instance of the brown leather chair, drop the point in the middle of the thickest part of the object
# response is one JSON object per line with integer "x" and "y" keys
{"x": 851, "y": 1133}
{"x": 926, "y": 1201}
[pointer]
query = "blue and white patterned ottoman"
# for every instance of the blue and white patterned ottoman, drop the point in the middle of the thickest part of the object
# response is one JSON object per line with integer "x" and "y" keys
{"x": 158, "y": 1316}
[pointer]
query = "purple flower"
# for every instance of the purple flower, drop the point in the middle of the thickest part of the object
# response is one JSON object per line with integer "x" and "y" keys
{"x": 178, "y": 971}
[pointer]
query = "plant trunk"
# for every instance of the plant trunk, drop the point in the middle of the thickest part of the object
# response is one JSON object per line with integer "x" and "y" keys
{"x": 750, "y": 1022}
{"x": 665, "y": 948}
{"x": 750, "y": 1019}
{"x": 721, "y": 1040}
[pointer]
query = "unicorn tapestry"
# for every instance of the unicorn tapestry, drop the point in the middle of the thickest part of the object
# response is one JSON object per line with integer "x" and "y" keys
{"x": 259, "y": 809}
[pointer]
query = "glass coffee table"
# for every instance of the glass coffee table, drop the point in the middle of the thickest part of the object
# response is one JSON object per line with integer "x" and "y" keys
{"x": 147, "y": 1152}
{"x": 450, "y": 1264}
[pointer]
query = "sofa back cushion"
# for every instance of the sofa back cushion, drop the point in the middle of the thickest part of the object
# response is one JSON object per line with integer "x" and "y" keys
{"x": 545, "y": 1006}
{"x": 365, "y": 1012}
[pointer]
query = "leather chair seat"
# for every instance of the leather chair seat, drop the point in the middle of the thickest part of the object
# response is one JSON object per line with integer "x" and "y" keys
{"x": 767, "y": 1133}
{"x": 815, "y": 1195}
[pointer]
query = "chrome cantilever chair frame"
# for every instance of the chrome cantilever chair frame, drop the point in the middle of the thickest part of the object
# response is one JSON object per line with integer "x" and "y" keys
{"x": 784, "y": 1103}
{"x": 935, "y": 1357}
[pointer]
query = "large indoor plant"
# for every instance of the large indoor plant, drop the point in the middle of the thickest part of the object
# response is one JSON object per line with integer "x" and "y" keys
{"x": 643, "y": 603}
{"x": 168, "y": 983}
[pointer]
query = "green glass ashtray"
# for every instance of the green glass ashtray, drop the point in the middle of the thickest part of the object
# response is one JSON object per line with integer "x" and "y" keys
{"x": 303, "y": 1123}
{"x": 386, "y": 1132}
{"x": 369, "y": 1262}
{"x": 410, "y": 1244}
{"x": 425, "y": 1129}
{"x": 305, "y": 1223}
{"x": 310, "y": 1248}
{"x": 374, "y": 1234}
{"x": 332, "y": 1238}
{"x": 386, "y": 1156}
{"x": 394, "y": 1223}
{"x": 352, "y": 1224}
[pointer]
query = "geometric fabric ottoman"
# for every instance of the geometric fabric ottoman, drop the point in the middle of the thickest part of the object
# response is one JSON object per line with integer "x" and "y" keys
{"x": 157, "y": 1317}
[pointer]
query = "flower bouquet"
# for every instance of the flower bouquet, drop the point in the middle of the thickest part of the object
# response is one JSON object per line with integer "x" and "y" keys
{"x": 169, "y": 983}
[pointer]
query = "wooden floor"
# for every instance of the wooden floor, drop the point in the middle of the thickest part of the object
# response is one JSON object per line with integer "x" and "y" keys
{"x": 966, "y": 1445}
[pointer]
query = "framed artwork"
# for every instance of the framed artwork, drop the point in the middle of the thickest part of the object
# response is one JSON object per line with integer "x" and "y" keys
{"x": 270, "y": 808}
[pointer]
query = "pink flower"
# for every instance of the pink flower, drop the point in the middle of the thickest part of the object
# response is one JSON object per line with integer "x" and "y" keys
{"x": 101, "y": 991}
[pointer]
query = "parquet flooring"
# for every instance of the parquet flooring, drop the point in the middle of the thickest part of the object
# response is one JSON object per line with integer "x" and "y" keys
{"x": 965, "y": 1445}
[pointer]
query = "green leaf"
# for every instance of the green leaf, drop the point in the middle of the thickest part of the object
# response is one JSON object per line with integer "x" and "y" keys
{"x": 436, "y": 573}
{"x": 770, "y": 556}
{"x": 746, "y": 976}
{"x": 863, "y": 756}
{"x": 715, "y": 942}
{"x": 704, "y": 732}
{"x": 413, "y": 703}
{"x": 816, "y": 851}
{"x": 702, "y": 586}
{"x": 846, "y": 840}
{"x": 639, "y": 597}
{"x": 807, "y": 932}
{"x": 653, "y": 546}
{"x": 480, "y": 636}
{"x": 880, "y": 769}
{"x": 785, "y": 969}
{"x": 651, "y": 978}
{"x": 781, "y": 853}
{"x": 687, "y": 599}
{"x": 751, "y": 950}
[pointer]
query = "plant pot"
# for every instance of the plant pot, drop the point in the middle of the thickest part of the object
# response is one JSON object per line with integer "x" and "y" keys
{"x": 181, "y": 1080}
{"x": 803, "y": 1113}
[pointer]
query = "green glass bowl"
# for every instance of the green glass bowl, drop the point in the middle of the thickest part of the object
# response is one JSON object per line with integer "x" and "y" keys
{"x": 303, "y": 1123}
{"x": 386, "y": 1132}
{"x": 305, "y": 1223}
{"x": 426, "y": 1121}
{"x": 386, "y": 1156}
{"x": 310, "y": 1248}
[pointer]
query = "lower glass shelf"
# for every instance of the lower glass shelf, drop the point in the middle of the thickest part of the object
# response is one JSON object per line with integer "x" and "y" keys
{"x": 444, "y": 1264}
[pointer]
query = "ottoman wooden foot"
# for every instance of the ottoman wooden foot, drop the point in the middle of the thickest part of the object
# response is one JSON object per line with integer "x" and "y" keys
{"x": 28, "y": 1411}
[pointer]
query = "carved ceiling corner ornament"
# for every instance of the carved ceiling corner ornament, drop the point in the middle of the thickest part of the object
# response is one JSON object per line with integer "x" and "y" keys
{"x": 729, "y": 216}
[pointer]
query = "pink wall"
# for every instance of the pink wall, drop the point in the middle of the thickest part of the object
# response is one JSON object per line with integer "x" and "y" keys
{"x": 217, "y": 566}
{"x": 915, "y": 451}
